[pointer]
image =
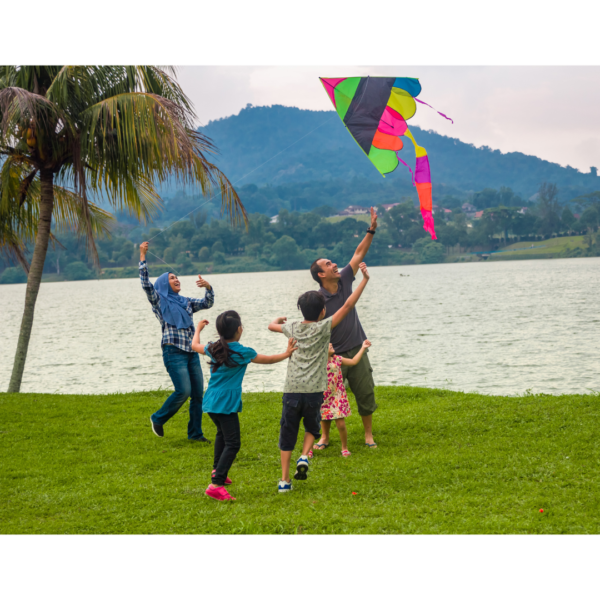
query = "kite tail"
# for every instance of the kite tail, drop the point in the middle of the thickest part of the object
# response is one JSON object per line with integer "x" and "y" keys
{"x": 428, "y": 223}
{"x": 437, "y": 111}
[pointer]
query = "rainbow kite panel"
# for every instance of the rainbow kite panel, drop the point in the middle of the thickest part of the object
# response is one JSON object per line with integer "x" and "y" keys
{"x": 375, "y": 111}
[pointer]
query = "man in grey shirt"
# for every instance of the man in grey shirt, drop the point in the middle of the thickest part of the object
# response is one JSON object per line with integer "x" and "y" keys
{"x": 347, "y": 338}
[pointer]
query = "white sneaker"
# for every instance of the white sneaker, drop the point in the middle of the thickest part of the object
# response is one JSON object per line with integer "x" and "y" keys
{"x": 285, "y": 486}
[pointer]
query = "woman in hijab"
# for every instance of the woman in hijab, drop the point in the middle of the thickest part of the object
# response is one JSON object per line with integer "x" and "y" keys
{"x": 174, "y": 313}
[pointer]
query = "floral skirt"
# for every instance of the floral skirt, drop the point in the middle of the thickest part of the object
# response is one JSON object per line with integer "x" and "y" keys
{"x": 335, "y": 407}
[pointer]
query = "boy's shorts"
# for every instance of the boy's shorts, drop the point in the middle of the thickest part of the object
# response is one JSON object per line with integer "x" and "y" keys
{"x": 295, "y": 408}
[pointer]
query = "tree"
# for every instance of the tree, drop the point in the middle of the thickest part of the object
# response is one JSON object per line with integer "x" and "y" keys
{"x": 502, "y": 218}
{"x": 548, "y": 209}
{"x": 78, "y": 271}
{"x": 13, "y": 275}
{"x": 74, "y": 133}
{"x": 589, "y": 218}
{"x": 568, "y": 219}
{"x": 287, "y": 255}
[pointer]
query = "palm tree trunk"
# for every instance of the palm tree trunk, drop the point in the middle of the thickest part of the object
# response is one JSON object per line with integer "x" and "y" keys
{"x": 35, "y": 278}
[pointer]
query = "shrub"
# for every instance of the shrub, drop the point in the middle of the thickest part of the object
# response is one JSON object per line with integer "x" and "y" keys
{"x": 204, "y": 254}
{"x": 13, "y": 275}
{"x": 218, "y": 247}
{"x": 219, "y": 257}
{"x": 76, "y": 271}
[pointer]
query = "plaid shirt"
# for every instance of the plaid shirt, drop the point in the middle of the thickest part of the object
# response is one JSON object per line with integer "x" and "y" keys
{"x": 181, "y": 338}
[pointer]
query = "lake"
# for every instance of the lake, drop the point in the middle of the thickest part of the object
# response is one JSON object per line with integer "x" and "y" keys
{"x": 495, "y": 328}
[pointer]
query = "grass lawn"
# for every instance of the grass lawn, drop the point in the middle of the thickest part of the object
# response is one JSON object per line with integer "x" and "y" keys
{"x": 447, "y": 462}
{"x": 550, "y": 248}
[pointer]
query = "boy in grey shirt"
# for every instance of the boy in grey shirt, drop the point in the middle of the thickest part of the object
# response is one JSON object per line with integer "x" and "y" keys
{"x": 306, "y": 378}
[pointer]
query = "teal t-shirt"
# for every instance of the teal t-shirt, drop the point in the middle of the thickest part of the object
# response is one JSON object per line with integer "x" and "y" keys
{"x": 224, "y": 393}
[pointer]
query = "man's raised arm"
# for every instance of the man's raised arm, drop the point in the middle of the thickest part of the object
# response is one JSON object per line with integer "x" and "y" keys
{"x": 363, "y": 247}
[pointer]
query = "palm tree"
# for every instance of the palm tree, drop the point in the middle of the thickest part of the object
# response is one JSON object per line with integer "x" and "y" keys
{"x": 72, "y": 134}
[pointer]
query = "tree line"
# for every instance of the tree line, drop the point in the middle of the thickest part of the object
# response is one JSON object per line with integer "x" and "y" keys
{"x": 298, "y": 238}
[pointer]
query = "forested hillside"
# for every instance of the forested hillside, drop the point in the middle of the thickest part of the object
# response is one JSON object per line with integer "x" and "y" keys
{"x": 327, "y": 152}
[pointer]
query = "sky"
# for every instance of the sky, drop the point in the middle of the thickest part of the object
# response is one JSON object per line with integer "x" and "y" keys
{"x": 548, "y": 111}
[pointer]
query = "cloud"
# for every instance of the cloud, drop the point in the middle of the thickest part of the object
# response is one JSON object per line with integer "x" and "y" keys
{"x": 550, "y": 112}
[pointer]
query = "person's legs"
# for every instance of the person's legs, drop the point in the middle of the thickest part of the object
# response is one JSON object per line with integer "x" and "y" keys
{"x": 219, "y": 440}
{"x": 309, "y": 439}
{"x": 360, "y": 380}
{"x": 197, "y": 383}
{"x": 288, "y": 433}
{"x": 176, "y": 362}
{"x": 325, "y": 429}
{"x": 341, "y": 427}
{"x": 286, "y": 459}
{"x": 230, "y": 428}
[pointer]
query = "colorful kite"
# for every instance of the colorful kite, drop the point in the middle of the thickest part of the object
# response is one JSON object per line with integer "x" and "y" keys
{"x": 375, "y": 111}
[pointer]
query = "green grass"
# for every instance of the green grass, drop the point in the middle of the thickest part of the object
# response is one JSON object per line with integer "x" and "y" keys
{"x": 550, "y": 248}
{"x": 447, "y": 462}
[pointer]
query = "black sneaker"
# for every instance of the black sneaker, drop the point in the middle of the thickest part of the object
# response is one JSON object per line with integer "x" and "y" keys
{"x": 158, "y": 429}
{"x": 200, "y": 439}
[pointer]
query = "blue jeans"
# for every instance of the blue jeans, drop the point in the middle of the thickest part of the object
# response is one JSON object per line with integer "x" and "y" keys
{"x": 186, "y": 375}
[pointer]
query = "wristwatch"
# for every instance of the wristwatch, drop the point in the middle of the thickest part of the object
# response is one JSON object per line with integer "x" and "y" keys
{"x": 371, "y": 231}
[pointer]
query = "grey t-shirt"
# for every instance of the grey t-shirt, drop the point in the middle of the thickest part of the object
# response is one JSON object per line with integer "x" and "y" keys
{"x": 349, "y": 333}
{"x": 307, "y": 367}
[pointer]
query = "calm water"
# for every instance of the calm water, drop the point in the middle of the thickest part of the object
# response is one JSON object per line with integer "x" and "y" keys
{"x": 498, "y": 328}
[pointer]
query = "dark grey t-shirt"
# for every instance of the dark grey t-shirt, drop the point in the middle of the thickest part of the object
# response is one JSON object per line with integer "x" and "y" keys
{"x": 349, "y": 333}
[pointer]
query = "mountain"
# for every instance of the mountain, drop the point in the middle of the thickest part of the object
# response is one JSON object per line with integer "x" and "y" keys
{"x": 281, "y": 145}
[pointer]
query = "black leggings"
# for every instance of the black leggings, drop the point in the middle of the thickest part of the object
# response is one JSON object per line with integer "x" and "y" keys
{"x": 227, "y": 444}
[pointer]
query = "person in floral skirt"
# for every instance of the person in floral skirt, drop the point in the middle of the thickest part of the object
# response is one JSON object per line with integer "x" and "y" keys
{"x": 335, "y": 405}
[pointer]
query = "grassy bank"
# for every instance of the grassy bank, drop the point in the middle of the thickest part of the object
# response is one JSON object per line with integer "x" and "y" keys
{"x": 558, "y": 247}
{"x": 447, "y": 462}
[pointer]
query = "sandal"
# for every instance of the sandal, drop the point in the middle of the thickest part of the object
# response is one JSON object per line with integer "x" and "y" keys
{"x": 320, "y": 446}
{"x": 310, "y": 454}
{"x": 371, "y": 445}
{"x": 346, "y": 453}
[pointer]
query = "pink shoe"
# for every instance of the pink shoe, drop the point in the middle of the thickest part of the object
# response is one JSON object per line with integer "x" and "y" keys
{"x": 310, "y": 454}
{"x": 218, "y": 493}
{"x": 227, "y": 480}
{"x": 346, "y": 453}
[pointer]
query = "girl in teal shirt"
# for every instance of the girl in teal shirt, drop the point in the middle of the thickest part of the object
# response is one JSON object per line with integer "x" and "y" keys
{"x": 223, "y": 398}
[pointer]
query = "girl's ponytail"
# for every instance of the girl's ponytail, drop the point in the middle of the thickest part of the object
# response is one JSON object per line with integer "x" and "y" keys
{"x": 227, "y": 325}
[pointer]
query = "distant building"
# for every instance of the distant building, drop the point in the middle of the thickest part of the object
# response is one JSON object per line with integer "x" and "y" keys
{"x": 523, "y": 210}
{"x": 387, "y": 207}
{"x": 353, "y": 210}
{"x": 478, "y": 214}
{"x": 275, "y": 219}
{"x": 468, "y": 208}
{"x": 447, "y": 211}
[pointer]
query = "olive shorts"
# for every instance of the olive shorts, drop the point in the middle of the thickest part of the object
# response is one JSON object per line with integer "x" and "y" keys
{"x": 360, "y": 380}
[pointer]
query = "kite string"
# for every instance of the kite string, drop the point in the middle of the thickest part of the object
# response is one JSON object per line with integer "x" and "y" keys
{"x": 238, "y": 180}
{"x": 162, "y": 261}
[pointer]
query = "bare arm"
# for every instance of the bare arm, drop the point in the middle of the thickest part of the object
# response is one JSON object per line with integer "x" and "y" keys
{"x": 351, "y": 362}
{"x": 276, "y": 324}
{"x": 363, "y": 247}
{"x": 196, "y": 345}
{"x": 263, "y": 359}
{"x": 341, "y": 314}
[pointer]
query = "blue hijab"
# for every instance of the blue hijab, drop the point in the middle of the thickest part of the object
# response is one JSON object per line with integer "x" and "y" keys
{"x": 172, "y": 305}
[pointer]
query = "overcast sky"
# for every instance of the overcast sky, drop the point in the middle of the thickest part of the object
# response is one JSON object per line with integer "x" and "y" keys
{"x": 550, "y": 112}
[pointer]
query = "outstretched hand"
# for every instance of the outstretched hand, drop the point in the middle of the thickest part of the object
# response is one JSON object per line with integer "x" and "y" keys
{"x": 373, "y": 219}
{"x": 201, "y": 324}
{"x": 280, "y": 320}
{"x": 143, "y": 250}
{"x": 363, "y": 268}
{"x": 291, "y": 346}
{"x": 202, "y": 283}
